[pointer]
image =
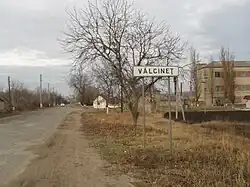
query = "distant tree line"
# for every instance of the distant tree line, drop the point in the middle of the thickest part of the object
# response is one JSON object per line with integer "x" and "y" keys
{"x": 22, "y": 98}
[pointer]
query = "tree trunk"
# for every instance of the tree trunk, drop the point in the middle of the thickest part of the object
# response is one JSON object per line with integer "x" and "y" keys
{"x": 122, "y": 103}
{"x": 133, "y": 107}
{"x": 135, "y": 115}
{"x": 83, "y": 98}
{"x": 107, "y": 103}
{"x": 107, "y": 106}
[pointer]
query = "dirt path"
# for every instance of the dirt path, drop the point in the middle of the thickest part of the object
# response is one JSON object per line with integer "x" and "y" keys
{"x": 66, "y": 160}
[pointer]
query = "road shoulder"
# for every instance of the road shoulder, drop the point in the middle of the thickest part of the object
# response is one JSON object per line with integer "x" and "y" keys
{"x": 65, "y": 160}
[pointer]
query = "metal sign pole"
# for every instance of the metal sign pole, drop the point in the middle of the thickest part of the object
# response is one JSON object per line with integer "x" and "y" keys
{"x": 144, "y": 114}
{"x": 205, "y": 94}
{"x": 169, "y": 117}
{"x": 176, "y": 97}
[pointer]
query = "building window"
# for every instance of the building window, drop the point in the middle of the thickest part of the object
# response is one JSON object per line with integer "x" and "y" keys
{"x": 244, "y": 88}
{"x": 236, "y": 87}
{"x": 217, "y": 88}
{"x": 243, "y": 74}
{"x": 205, "y": 75}
{"x": 217, "y": 74}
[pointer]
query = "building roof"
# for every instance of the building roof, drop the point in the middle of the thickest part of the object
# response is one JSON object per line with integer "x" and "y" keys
{"x": 100, "y": 99}
{"x": 3, "y": 99}
{"x": 236, "y": 64}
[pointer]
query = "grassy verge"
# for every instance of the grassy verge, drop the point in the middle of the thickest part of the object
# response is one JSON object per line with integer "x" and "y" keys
{"x": 202, "y": 156}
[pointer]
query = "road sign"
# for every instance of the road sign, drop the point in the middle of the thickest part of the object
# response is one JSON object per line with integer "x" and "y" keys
{"x": 156, "y": 71}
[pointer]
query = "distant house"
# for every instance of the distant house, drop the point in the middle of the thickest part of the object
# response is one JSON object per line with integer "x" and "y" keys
{"x": 3, "y": 104}
{"x": 99, "y": 103}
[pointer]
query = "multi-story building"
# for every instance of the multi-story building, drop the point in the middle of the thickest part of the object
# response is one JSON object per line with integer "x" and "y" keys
{"x": 211, "y": 76}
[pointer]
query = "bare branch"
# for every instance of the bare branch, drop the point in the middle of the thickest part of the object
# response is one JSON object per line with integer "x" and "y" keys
{"x": 111, "y": 31}
{"x": 227, "y": 60}
{"x": 195, "y": 75}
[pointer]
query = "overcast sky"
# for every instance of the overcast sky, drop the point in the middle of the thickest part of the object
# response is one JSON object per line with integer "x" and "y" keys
{"x": 30, "y": 29}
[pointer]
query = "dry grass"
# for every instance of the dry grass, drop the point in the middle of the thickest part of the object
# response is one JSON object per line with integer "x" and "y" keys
{"x": 211, "y": 154}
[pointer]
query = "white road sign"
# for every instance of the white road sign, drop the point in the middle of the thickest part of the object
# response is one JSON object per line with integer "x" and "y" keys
{"x": 156, "y": 71}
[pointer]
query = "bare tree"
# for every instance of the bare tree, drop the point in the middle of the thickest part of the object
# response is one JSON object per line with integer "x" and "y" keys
{"x": 79, "y": 81}
{"x": 124, "y": 37}
{"x": 83, "y": 86}
{"x": 105, "y": 81}
{"x": 211, "y": 84}
{"x": 195, "y": 75}
{"x": 17, "y": 89}
{"x": 227, "y": 60}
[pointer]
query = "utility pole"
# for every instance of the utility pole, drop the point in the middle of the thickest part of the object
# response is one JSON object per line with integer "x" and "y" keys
{"x": 10, "y": 99}
{"x": 54, "y": 97}
{"x": 181, "y": 88}
{"x": 41, "y": 89}
{"x": 48, "y": 94}
{"x": 191, "y": 88}
{"x": 205, "y": 99}
{"x": 13, "y": 99}
{"x": 121, "y": 82}
{"x": 122, "y": 99}
{"x": 181, "y": 100}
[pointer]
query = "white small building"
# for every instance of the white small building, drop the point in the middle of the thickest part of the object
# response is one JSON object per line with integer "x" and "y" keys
{"x": 99, "y": 103}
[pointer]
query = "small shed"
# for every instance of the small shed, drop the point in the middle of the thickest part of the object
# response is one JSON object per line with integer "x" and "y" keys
{"x": 99, "y": 103}
{"x": 2, "y": 104}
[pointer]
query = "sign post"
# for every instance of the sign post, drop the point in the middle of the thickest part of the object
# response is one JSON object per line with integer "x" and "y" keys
{"x": 144, "y": 114}
{"x": 156, "y": 71}
{"x": 176, "y": 96}
{"x": 169, "y": 117}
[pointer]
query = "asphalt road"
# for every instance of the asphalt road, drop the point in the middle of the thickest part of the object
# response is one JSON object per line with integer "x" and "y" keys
{"x": 18, "y": 133}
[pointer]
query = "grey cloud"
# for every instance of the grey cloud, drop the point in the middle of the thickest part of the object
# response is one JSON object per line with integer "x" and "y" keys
{"x": 174, "y": 13}
{"x": 228, "y": 27}
{"x": 29, "y": 29}
{"x": 37, "y": 27}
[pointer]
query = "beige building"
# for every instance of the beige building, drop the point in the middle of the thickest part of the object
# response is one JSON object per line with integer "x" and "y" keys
{"x": 211, "y": 76}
